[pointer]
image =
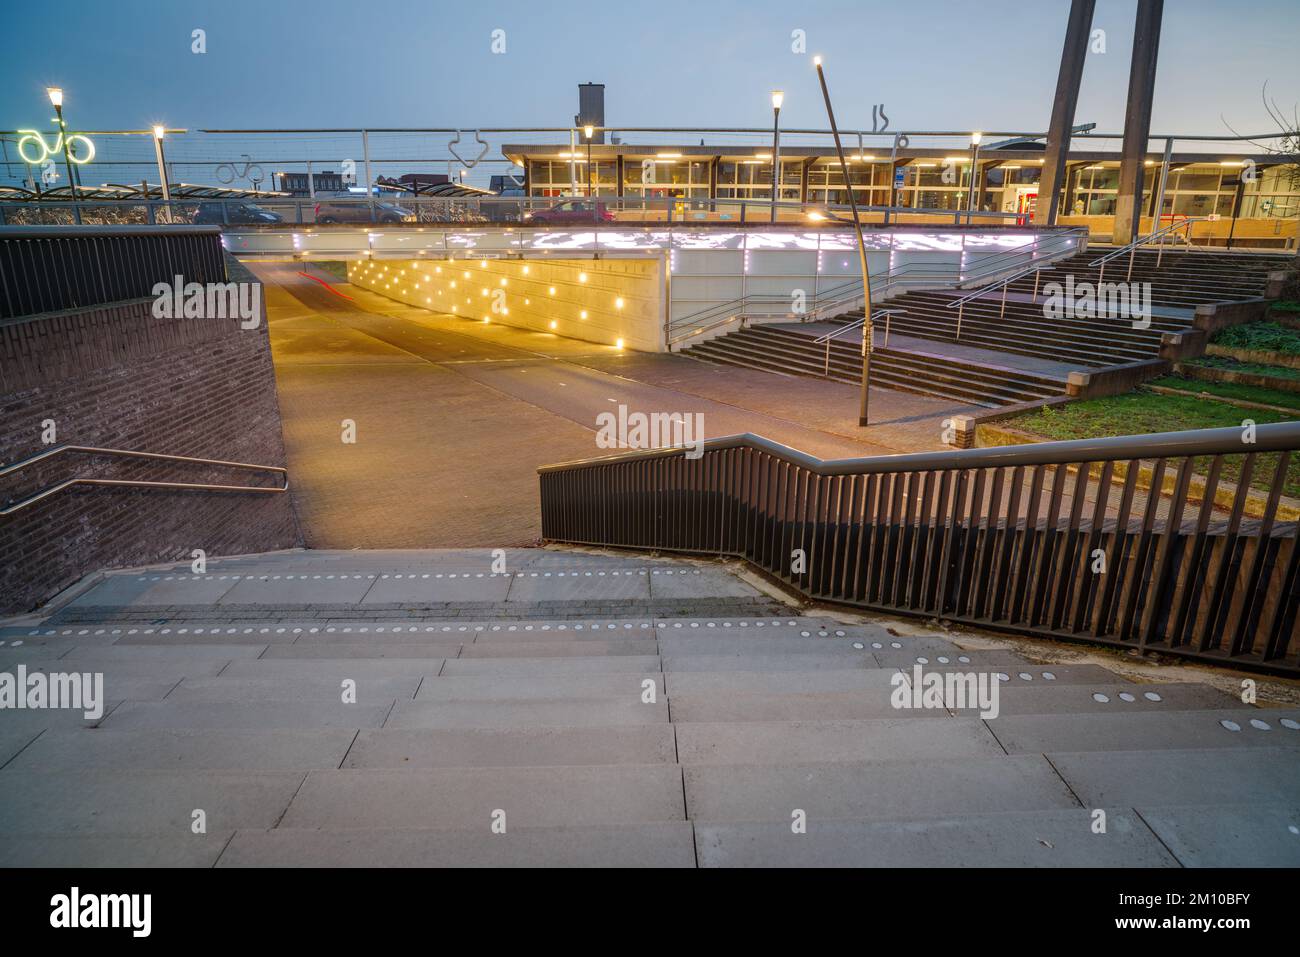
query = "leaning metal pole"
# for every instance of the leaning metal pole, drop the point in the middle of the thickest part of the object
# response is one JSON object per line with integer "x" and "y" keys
{"x": 862, "y": 251}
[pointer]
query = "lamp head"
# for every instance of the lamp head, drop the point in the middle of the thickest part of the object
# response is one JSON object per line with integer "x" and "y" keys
{"x": 817, "y": 61}
{"x": 588, "y": 131}
{"x": 56, "y": 96}
{"x": 778, "y": 97}
{"x": 975, "y": 139}
{"x": 159, "y": 132}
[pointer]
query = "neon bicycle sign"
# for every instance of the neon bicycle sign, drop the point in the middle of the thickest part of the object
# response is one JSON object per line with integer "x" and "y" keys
{"x": 35, "y": 139}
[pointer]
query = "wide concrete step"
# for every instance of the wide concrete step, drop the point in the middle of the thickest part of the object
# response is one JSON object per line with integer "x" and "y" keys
{"x": 172, "y": 749}
{"x": 1149, "y": 731}
{"x": 512, "y": 747}
{"x": 1131, "y": 699}
{"x": 140, "y": 802}
{"x": 1033, "y": 838}
{"x": 873, "y": 789}
{"x": 1232, "y": 775}
{"x": 526, "y": 713}
{"x": 246, "y": 715}
{"x": 231, "y": 690}
{"x": 539, "y": 687}
{"x": 612, "y": 665}
{"x": 469, "y": 797}
{"x": 835, "y": 741}
{"x": 651, "y": 844}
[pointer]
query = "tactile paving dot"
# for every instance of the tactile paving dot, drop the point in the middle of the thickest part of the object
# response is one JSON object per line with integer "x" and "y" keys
{"x": 1152, "y": 696}
{"x": 1099, "y": 697}
{"x": 1125, "y": 696}
{"x": 1230, "y": 725}
{"x": 1290, "y": 723}
{"x": 1259, "y": 725}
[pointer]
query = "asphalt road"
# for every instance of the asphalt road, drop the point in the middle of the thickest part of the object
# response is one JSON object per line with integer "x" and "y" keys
{"x": 453, "y": 417}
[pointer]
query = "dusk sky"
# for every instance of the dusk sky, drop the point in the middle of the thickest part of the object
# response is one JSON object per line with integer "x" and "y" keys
{"x": 936, "y": 65}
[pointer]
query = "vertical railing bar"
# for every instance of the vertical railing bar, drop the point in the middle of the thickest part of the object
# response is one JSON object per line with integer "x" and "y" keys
{"x": 1088, "y": 579}
{"x": 1064, "y": 579}
{"x": 1116, "y": 568}
{"x": 1192, "y": 580}
{"x": 983, "y": 598}
{"x": 1166, "y": 548}
{"x": 1137, "y": 578}
{"x": 1249, "y": 615}
{"x": 951, "y": 534}
{"x": 1010, "y": 534}
{"x": 1047, "y": 551}
{"x": 1028, "y": 540}
{"x": 1228, "y": 558}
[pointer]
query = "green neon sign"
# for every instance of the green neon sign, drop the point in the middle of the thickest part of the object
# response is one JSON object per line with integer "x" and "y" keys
{"x": 34, "y": 150}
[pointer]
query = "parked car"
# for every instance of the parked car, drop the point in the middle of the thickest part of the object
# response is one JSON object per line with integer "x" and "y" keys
{"x": 571, "y": 211}
{"x": 236, "y": 214}
{"x": 358, "y": 211}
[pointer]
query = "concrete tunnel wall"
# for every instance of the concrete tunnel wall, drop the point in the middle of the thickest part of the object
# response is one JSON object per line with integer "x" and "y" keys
{"x": 597, "y": 300}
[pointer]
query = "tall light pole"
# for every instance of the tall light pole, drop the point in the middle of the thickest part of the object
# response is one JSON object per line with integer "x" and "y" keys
{"x": 974, "y": 165}
{"x": 777, "y": 99}
{"x": 867, "y": 330}
{"x": 589, "y": 131}
{"x": 158, "y": 133}
{"x": 56, "y": 98}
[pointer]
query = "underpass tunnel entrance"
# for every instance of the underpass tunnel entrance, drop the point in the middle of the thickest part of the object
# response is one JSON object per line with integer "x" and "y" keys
{"x": 617, "y": 302}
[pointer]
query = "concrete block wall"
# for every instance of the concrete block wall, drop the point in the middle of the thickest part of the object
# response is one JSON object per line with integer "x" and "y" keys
{"x": 116, "y": 377}
{"x": 597, "y": 300}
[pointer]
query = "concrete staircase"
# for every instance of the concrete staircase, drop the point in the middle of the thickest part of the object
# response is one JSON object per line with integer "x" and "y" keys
{"x": 526, "y": 693}
{"x": 791, "y": 350}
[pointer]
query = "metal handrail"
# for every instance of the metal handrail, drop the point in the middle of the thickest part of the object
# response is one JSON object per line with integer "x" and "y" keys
{"x": 991, "y": 537}
{"x": 125, "y": 483}
{"x": 1269, "y": 437}
{"x": 1143, "y": 240}
{"x": 1019, "y": 274}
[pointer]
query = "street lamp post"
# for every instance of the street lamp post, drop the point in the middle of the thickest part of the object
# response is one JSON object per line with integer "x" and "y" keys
{"x": 974, "y": 165}
{"x": 867, "y": 330}
{"x": 589, "y": 132}
{"x": 778, "y": 98}
{"x": 56, "y": 98}
{"x": 158, "y": 133}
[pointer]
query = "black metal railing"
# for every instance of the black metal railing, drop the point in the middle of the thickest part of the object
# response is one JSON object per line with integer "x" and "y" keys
{"x": 51, "y": 268}
{"x": 1139, "y": 542}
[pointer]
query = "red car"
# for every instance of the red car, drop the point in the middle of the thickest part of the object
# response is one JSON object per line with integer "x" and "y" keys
{"x": 571, "y": 211}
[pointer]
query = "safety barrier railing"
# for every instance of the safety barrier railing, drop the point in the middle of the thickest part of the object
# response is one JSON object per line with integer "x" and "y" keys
{"x": 845, "y": 296}
{"x": 1131, "y": 248}
{"x": 13, "y": 507}
{"x": 56, "y": 268}
{"x": 849, "y": 327}
{"x": 1181, "y": 542}
{"x": 403, "y": 208}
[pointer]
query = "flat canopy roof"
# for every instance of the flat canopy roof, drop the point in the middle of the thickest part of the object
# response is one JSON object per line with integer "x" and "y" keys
{"x": 730, "y": 151}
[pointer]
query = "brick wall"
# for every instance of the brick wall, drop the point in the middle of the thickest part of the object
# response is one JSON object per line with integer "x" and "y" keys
{"x": 116, "y": 377}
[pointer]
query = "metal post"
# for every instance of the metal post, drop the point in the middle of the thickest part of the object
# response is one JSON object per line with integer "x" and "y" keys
{"x": 1137, "y": 121}
{"x": 1160, "y": 189}
{"x": 974, "y": 165}
{"x": 862, "y": 252}
{"x": 67, "y": 161}
{"x": 1073, "y": 53}
{"x": 158, "y": 133}
{"x": 893, "y": 178}
{"x": 776, "y": 152}
{"x": 311, "y": 186}
{"x": 365, "y": 149}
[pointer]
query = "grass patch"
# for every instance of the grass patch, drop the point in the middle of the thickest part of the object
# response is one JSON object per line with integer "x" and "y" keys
{"x": 1147, "y": 412}
{"x": 1250, "y": 368}
{"x": 1260, "y": 336}
{"x": 339, "y": 270}
{"x": 1231, "y": 390}
{"x": 1286, "y": 305}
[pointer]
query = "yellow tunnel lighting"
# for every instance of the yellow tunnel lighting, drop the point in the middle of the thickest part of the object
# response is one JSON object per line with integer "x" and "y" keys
{"x": 482, "y": 264}
{"x": 465, "y": 276}
{"x": 503, "y": 280}
{"x": 582, "y": 277}
{"x": 525, "y": 270}
{"x": 554, "y": 324}
{"x": 453, "y": 284}
{"x": 583, "y": 314}
{"x": 552, "y": 290}
{"x": 618, "y": 343}
{"x": 618, "y": 303}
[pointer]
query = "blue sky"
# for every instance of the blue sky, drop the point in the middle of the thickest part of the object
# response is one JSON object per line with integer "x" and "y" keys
{"x": 936, "y": 64}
